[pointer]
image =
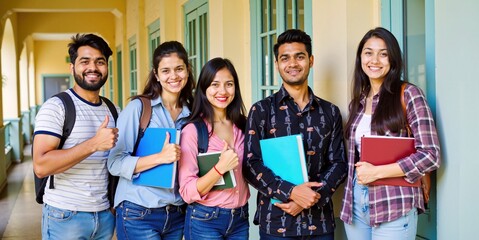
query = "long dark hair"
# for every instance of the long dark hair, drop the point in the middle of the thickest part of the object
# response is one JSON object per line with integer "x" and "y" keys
{"x": 388, "y": 114}
{"x": 153, "y": 88}
{"x": 235, "y": 112}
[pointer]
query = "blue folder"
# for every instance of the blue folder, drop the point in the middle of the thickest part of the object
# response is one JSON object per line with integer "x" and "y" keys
{"x": 285, "y": 157}
{"x": 163, "y": 175}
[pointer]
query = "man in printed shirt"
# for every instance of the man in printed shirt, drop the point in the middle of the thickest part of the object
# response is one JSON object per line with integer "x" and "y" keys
{"x": 307, "y": 209}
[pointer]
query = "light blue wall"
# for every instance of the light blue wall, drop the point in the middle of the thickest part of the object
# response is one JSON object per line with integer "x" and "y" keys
{"x": 3, "y": 161}
{"x": 457, "y": 47}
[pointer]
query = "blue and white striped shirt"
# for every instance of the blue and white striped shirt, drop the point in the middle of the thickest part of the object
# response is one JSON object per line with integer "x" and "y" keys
{"x": 83, "y": 187}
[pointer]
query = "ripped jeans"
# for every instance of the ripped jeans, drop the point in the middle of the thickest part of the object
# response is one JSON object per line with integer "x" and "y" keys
{"x": 403, "y": 228}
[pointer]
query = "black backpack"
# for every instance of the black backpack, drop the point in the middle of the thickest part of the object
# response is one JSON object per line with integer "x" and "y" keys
{"x": 70, "y": 117}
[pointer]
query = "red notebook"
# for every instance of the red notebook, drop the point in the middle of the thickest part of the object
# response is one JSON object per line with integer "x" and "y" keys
{"x": 382, "y": 150}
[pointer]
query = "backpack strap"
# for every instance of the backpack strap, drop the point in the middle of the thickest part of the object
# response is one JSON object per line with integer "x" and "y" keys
{"x": 70, "y": 118}
{"x": 144, "y": 120}
{"x": 111, "y": 106}
{"x": 202, "y": 131}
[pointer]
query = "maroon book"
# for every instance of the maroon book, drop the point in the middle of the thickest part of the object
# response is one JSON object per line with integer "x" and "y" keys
{"x": 382, "y": 150}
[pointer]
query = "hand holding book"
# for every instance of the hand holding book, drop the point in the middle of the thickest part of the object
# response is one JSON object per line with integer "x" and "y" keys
{"x": 154, "y": 141}
{"x": 380, "y": 154}
{"x": 368, "y": 173}
{"x": 170, "y": 152}
{"x": 304, "y": 196}
{"x": 285, "y": 156}
{"x": 210, "y": 161}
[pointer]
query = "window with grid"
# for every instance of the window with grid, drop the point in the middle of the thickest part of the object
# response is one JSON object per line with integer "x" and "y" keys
{"x": 196, "y": 14}
{"x": 269, "y": 18}
{"x": 153, "y": 38}
{"x": 133, "y": 67}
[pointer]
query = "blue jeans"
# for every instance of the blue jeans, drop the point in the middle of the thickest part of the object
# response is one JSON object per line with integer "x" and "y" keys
{"x": 403, "y": 228}
{"x": 213, "y": 223}
{"x": 328, "y": 236}
{"x": 137, "y": 222}
{"x": 66, "y": 224}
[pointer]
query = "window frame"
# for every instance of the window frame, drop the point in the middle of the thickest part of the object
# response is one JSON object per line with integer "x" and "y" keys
{"x": 196, "y": 16}
{"x": 154, "y": 39}
{"x": 273, "y": 83}
{"x": 133, "y": 52}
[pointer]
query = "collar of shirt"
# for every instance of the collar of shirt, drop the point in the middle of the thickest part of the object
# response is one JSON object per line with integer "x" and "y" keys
{"x": 185, "y": 112}
{"x": 284, "y": 97}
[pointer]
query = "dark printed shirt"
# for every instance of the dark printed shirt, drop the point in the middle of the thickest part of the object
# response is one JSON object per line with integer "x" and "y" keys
{"x": 320, "y": 125}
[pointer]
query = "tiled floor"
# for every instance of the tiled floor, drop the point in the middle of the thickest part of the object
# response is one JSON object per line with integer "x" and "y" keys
{"x": 20, "y": 216}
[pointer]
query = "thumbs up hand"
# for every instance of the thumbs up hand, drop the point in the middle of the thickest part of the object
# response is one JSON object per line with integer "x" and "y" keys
{"x": 105, "y": 138}
{"x": 228, "y": 159}
{"x": 170, "y": 153}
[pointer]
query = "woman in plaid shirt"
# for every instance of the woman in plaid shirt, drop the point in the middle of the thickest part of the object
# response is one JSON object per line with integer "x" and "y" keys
{"x": 384, "y": 211}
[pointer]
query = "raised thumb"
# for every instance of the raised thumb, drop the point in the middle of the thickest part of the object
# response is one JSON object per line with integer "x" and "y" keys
{"x": 104, "y": 124}
{"x": 167, "y": 139}
{"x": 225, "y": 147}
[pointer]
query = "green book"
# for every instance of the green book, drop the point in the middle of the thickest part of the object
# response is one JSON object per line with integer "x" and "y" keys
{"x": 206, "y": 161}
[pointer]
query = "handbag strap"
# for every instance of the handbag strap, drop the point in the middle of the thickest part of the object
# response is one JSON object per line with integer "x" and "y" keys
{"x": 403, "y": 103}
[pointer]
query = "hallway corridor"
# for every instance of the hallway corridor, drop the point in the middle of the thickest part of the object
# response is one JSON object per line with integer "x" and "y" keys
{"x": 21, "y": 215}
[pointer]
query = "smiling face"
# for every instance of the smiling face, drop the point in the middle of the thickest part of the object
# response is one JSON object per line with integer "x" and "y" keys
{"x": 172, "y": 74}
{"x": 221, "y": 91}
{"x": 90, "y": 69}
{"x": 375, "y": 59}
{"x": 293, "y": 63}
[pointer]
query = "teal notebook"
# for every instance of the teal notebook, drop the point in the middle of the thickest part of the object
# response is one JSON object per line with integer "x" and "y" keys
{"x": 206, "y": 161}
{"x": 285, "y": 157}
{"x": 164, "y": 175}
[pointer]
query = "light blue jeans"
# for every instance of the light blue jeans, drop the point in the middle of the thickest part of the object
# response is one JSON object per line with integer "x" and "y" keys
{"x": 215, "y": 223}
{"x": 403, "y": 228}
{"x": 65, "y": 224}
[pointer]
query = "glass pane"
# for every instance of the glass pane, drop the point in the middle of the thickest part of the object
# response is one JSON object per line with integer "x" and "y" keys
{"x": 265, "y": 81}
{"x": 110, "y": 77}
{"x": 194, "y": 51}
{"x": 300, "y": 14}
{"x": 415, "y": 55}
{"x": 273, "y": 11}
{"x": 264, "y": 15}
{"x": 272, "y": 73}
{"x": 204, "y": 38}
{"x": 289, "y": 14}
{"x": 133, "y": 60}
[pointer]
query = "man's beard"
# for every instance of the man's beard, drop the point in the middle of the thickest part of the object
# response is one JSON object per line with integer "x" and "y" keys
{"x": 80, "y": 80}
